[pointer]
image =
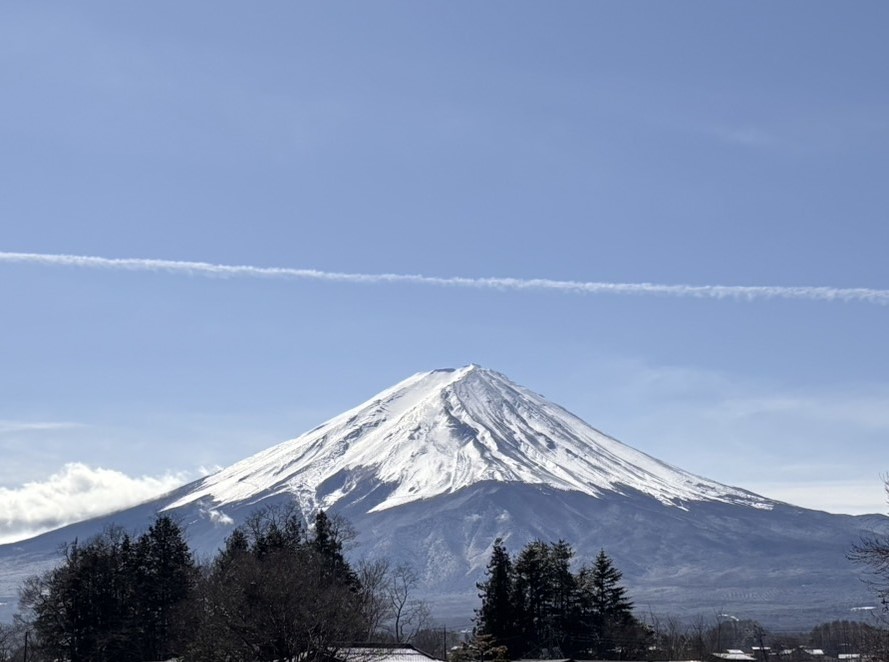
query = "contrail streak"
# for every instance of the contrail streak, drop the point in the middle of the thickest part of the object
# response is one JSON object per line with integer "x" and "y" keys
{"x": 741, "y": 292}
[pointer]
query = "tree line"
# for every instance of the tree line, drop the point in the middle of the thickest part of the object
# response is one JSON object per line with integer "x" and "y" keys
{"x": 113, "y": 598}
{"x": 281, "y": 590}
{"x": 536, "y": 606}
{"x": 276, "y": 590}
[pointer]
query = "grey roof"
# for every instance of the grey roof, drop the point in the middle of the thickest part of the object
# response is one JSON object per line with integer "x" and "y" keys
{"x": 382, "y": 653}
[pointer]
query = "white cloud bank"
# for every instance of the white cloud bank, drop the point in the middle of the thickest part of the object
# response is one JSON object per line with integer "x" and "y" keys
{"x": 75, "y": 493}
{"x": 850, "y": 497}
{"x": 740, "y": 292}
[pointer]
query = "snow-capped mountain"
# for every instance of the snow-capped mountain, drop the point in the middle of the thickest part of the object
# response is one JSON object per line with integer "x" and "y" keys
{"x": 440, "y": 432}
{"x": 433, "y": 469}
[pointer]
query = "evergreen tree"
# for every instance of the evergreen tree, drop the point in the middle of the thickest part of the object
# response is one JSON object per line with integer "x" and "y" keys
{"x": 237, "y": 545}
{"x": 164, "y": 579}
{"x": 481, "y": 648}
{"x": 607, "y": 597}
{"x": 496, "y": 617}
{"x": 112, "y": 599}
{"x": 539, "y": 607}
{"x": 606, "y": 613}
{"x": 328, "y": 544}
{"x": 530, "y": 596}
{"x": 563, "y": 611}
{"x": 544, "y": 598}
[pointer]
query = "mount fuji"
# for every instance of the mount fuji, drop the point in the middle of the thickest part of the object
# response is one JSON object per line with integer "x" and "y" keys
{"x": 433, "y": 469}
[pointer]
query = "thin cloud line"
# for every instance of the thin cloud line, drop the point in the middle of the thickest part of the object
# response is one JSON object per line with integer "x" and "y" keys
{"x": 10, "y": 427}
{"x": 207, "y": 269}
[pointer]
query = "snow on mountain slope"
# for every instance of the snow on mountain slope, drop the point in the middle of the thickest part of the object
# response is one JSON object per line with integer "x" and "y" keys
{"x": 441, "y": 431}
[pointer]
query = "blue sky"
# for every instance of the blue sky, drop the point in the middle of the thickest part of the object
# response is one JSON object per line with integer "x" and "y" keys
{"x": 693, "y": 143}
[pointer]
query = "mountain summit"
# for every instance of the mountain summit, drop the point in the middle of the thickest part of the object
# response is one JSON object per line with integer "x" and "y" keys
{"x": 439, "y": 432}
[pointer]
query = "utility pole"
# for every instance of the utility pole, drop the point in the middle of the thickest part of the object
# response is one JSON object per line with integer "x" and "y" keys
{"x": 762, "y": 648}
{"x": 25, "y": 654}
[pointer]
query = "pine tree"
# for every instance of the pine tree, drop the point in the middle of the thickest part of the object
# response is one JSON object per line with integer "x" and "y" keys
{"x": 607, "y": 597}
{"x": 164, "y": 579}
{"x": 236, "y": 546}
{"x": 538, "y": 606}
{"x": 496, "y": 617}
{"x": 606, "y": 613}
{"x": 481, "y": 648}
{"x": 328, "y": 544}
{"x": 530, "y": 593}
{"x": 563, "y": 598}
{"x": 544, "y": 598}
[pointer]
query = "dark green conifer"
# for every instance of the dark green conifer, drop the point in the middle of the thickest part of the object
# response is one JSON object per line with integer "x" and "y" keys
{"x": 606, "y": 619}
{"x": 496, "y": 617}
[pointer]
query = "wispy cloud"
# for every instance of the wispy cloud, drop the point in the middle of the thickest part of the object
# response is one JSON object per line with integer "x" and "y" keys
{"x": 779, "y": 440}
{"x": 14, "y": 427}
{"x": 862, "y": 410}
{"x": 738, "y": 292}
{"x": 75, "y": 493}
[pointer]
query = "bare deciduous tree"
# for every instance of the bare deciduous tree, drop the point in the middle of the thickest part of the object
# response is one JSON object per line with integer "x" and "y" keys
{"x": 873, "y": 552}
{"x": 12, "y": 641}
{"x": 409, "y": 615}
{"x": 375, "y": 606}
{"x": 276, "y": 593}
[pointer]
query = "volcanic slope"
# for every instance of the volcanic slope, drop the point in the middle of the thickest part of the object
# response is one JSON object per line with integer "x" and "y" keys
{"x": 440, "y": 432}
{"x": 433, "y": 469}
